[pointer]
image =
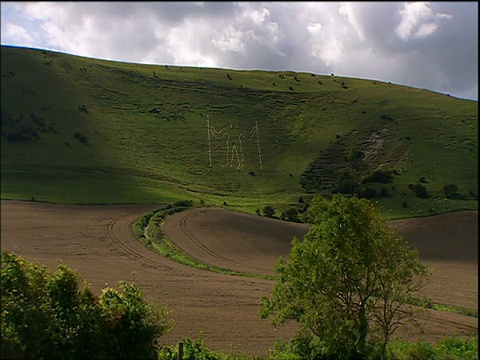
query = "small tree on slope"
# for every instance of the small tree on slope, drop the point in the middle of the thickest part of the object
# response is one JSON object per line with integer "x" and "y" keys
{"x": 348, "y": 283}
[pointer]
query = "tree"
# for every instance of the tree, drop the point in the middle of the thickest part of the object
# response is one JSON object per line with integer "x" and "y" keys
{"x": 269, "y": 211}
{"x": 450, "y": 190}
{"x": 420, "y": 191}
{"x": 290, "y": 214}
{"x": 349, "y": 282}
{"x": 54, "y": 315}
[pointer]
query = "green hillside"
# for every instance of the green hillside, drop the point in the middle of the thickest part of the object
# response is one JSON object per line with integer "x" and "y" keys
{"x": 82, "y": 130}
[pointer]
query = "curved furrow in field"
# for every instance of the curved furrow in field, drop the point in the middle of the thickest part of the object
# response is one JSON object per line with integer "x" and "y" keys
{"x": 252, "y": 244}
{"x": 120, "y": 231}
{"x": 194, "y": 239}
{"x": 232, "y": 240}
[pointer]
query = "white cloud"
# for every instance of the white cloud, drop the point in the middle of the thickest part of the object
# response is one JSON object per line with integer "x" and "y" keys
{"x": 230, "y": 39}
{"x": 419, "y": 20}
{"x": 17, "y": 34}
{"x": 348, "y": 9}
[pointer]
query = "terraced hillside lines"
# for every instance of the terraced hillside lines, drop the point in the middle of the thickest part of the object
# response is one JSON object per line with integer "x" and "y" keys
{"x": 360, "y": 152}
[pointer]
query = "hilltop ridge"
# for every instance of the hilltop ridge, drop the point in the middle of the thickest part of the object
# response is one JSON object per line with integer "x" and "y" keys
{"x": 83, "y": 130}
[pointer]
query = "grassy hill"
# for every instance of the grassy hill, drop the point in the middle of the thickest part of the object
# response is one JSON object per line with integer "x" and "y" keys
{"x": 82, "y": 130}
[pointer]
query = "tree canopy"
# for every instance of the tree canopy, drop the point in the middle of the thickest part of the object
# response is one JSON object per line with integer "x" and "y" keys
{"x": 54, "y": 315}
{"x": 348, "y": 282}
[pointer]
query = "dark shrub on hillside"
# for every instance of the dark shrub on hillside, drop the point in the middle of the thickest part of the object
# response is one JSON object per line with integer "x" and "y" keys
{"x": 83, "y": 108}
{"x": 450, "y": 190}
{"x": 185, "y": 203}
{"x": 365, "y": 192}
{"x": 269, "y": 211}
{"x": 290, "y": 214}
{"x": 82, "y": 138}
{"x": 420, "y": 191}
{"x": 381, "y": 176}
{"x": 346, "y": 186}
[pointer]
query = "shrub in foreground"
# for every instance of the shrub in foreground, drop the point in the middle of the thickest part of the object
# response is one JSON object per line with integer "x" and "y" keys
{"x": 54, "y": 315}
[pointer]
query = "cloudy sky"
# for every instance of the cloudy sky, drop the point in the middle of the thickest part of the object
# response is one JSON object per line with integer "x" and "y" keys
{"x": 431, "y": 45}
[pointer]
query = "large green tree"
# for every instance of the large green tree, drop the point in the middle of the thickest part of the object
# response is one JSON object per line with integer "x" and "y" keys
{"x": 348, "y": 282}
{"x": 54, "y": 315}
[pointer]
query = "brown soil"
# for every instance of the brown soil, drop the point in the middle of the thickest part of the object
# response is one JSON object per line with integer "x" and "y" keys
{"x": 99, "y": 243}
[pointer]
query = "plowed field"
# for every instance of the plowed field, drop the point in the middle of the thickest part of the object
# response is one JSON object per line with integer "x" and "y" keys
{"x": 98, "y": 242}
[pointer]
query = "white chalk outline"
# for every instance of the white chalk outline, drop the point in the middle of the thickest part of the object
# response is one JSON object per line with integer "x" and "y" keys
{"x": 232, "y": 151}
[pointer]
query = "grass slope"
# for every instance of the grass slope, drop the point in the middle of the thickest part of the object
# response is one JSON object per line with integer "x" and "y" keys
{"x": 82, "y": 130}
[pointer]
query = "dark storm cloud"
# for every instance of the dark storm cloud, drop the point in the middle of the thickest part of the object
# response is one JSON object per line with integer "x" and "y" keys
{"x": 431, "y": 45}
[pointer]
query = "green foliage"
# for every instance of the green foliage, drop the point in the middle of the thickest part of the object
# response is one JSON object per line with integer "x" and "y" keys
{"x": 290, "y": 214}
{"x": 196, "y": 349}
{"x": 347, "y": 184}
{"x": 269, "y": 211}
{"x": 54, "y": 315}
{"x": 349, "y": 280}
{"x": 457, "y": 348}
{"x": 452, "y": 348}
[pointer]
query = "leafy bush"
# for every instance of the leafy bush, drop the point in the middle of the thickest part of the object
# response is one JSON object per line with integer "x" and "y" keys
{"x": 346, "y": 186}
{"x": 195, "y": 349}
{"x": 54, "y": 315}
{"x": 291, "y": 214}
{"x": 450, "y": 190}
{"x": 185, "y": 203}
{"x": 458, "y": 348}
{"x": 381, "y": 176}
{"x": 420, "y": 191}
{"x": 269, "y": 211}
{"x": 366, "y": 192}
{"x": 449, "y": 348}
